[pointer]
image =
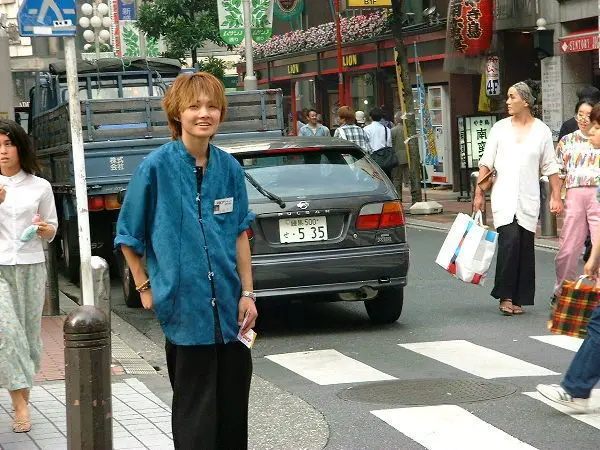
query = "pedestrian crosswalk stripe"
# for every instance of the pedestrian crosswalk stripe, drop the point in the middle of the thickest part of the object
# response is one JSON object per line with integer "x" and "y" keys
{"x": 559, "y": 340}
{"x": 592, "y": 418}
{"x": 449, "y": 427}
{"x": 477, "y": 360}
{"x": 326, "y": 367}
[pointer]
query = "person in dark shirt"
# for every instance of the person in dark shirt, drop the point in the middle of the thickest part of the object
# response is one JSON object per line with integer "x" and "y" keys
{"x": 587, "y": 92}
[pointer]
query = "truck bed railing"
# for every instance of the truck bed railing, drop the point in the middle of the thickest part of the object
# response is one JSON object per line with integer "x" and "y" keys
{"x": 144, "y": 118}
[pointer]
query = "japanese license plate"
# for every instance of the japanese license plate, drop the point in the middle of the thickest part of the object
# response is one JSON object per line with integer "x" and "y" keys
{"x": 303, "y": 229}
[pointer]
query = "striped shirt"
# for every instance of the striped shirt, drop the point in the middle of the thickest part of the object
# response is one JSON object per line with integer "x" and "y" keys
{"x": 354, "y": 134}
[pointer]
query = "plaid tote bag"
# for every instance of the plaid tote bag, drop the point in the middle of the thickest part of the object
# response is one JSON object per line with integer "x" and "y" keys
{"x": 574, "y": 307}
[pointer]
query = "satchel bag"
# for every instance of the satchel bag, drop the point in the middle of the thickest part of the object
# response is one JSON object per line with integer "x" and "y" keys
{"x": 386, "y": 157}
{"x": 487, "y": 181}
{"x": 468, "y": 250}
{"x": 572, "y": 311}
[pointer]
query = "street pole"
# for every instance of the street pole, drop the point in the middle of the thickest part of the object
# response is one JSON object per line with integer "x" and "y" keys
{"x": 250, "y": 81}
{"x": 6, "y": 91}
{"x": 338, "y": 32}
{"x": 85, "y": 249}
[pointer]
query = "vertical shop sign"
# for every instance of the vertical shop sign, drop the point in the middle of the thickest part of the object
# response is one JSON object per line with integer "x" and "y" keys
{"x": 470, "y": 25}
{"x": 427, "y": 132}
{"x": 115, "y": 32}
{"x": 127, "y": 9}
{"x": 231, "y": 21}
{"x": 552, "y": 107}
{"x": 473, "y": 135}
{"x": 492, "y": 76}
{"x": 262, "y": 20}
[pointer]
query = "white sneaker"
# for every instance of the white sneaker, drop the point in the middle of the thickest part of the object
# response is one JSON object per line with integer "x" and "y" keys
{"x": 557, "y": 394}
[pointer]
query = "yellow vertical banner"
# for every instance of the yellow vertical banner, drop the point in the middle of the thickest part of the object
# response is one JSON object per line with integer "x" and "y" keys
{"x": 402, "y": 104}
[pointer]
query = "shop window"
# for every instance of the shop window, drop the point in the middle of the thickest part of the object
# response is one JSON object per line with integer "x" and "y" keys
{"x": 363, "y": 89}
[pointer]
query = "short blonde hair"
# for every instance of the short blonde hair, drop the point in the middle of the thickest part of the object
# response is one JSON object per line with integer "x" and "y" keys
{"x": 184, "y": 92}
{"x": 348, "y": 114}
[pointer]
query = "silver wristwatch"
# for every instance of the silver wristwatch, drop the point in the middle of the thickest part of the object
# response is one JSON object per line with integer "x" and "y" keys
{"x": 249, "y": 294}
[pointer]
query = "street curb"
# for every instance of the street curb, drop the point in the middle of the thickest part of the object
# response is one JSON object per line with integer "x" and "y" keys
{"x": 540, "y": 243}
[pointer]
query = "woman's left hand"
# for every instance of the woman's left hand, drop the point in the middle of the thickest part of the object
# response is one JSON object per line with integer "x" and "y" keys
{"x": 556, "y": 206}
{"x": 247, "y": 305}
{"x": 45, "y": 231}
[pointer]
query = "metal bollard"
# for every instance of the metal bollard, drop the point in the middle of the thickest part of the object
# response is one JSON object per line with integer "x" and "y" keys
{"x": 101, "y": 281}
{"x": 87, "y": 380}
{"x": 473, "y": 178}
{"x": 547, "y": 219}
{"x": 51, "y": 302}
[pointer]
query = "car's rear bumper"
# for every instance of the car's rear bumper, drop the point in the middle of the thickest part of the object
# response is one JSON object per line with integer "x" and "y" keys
{"x": 331, "y": 271}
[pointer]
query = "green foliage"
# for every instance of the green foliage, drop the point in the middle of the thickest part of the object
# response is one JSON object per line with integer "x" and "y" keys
{"x": 214, "y": 66}
{"x": 234, "y": 17}
{"x": 259, "y": 13}
{"x": 184, "y": 24}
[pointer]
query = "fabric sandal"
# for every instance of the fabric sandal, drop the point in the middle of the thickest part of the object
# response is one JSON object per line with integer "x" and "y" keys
{"x": 21, "y": 426}
{"x": 505, "y": 308}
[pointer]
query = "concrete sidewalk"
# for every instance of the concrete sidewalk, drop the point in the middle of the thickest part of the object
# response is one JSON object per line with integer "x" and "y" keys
{"x": 452, "y": 207}
{"x": 141, "y": 395}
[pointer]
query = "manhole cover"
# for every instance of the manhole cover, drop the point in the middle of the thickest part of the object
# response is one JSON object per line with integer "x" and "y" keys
{"x": 427, "y": 392}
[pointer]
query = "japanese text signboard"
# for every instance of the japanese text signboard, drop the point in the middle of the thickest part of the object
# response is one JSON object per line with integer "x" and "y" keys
{"x": 231, "y": 20}
{"x": 473, "y": 135}
{"x": 470, "y": 25}
{"x": 492, "y": 76}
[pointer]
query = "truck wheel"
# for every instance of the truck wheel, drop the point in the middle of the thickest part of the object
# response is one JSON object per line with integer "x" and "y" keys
{"x": 70, "y": 249}
{"x": 386, "y": 307}
{"x": 131, "y": 296}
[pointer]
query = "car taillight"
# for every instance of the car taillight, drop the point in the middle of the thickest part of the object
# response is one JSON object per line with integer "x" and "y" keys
{"x": 111, "y": 202}
{"x": 96, "y": 203}
{"x": 375, "y": 216}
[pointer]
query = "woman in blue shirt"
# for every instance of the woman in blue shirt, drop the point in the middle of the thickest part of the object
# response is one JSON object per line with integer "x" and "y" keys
{"x": 186, "y": 210}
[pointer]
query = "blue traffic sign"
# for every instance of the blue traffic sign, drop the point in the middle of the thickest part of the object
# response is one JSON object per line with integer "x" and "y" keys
{"x": 47, "y": 18}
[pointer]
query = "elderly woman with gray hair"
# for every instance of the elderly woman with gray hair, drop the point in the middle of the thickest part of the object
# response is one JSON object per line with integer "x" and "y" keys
{"x": 519, "y": 149}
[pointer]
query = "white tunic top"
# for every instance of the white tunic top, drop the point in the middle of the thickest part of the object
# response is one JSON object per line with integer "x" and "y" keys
{"x": 379, "y": 136}
{"x": 516, "y": 191}
{"x": 26, "y": 196}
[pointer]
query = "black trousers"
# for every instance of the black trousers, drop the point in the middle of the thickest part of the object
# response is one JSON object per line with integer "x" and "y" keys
{"x": 211, "y": 387}
{"x": 515, "y": 265}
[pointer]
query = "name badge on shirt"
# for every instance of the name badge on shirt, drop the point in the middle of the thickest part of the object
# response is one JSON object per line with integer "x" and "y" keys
{"x": 223, "y": 205}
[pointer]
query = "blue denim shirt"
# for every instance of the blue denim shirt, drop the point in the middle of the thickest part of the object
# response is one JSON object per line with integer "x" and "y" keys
{"x": 160, "y": 218}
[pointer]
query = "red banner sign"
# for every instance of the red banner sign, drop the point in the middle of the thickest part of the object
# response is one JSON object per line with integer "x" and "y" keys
{"x": 582, "y": 43}
{"x": 470, "y": 24}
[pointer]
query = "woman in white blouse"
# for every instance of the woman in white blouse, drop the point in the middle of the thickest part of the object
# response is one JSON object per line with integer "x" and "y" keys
{"x": 25, "y": 200}
{"x": 520, "y": 149}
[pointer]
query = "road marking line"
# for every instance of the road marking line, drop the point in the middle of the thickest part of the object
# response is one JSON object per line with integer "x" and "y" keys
{"x": 559, "y": 340}
{"x": 449, "y": 427}
{"x": 592, "y": 419}
{"x": 477, "y": 360}
{"x": 326, "y": 367}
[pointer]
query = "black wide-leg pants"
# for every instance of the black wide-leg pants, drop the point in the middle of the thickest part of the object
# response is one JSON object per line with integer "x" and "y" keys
{"x": 515, "y": 265}
{"x": 211, "y": 387}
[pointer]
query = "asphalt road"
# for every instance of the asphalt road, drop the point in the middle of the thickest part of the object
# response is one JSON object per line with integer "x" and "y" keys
{"x": 451, "y": 352}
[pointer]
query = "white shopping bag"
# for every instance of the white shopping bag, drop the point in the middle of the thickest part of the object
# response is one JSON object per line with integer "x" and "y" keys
{"x": 468, "y": 249}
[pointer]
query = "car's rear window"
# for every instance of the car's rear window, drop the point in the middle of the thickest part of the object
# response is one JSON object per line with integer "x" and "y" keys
{"x": 312, "y": 172}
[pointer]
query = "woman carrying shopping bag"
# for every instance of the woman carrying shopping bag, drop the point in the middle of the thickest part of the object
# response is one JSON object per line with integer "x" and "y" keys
{"x": 519, "y": 149}
{"x": 581, "y": 170}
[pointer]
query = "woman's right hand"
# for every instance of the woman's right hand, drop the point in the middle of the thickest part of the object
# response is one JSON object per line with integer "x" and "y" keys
{"x": 591, "y": 268}
{"x": 479, "y": 201}
{"x": 147, "y": 299}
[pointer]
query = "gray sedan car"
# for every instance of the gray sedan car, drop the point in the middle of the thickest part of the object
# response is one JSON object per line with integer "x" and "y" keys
{"x": 328, "y": 222}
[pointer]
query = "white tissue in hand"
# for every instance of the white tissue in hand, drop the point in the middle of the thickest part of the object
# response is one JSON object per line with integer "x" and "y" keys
{"x": 29, "y": 233}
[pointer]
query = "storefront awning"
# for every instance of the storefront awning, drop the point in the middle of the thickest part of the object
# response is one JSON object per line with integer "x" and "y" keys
{"x": 580, "y": 41}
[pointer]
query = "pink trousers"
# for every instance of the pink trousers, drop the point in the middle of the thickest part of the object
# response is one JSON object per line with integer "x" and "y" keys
{"x": 582, "y": 216}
